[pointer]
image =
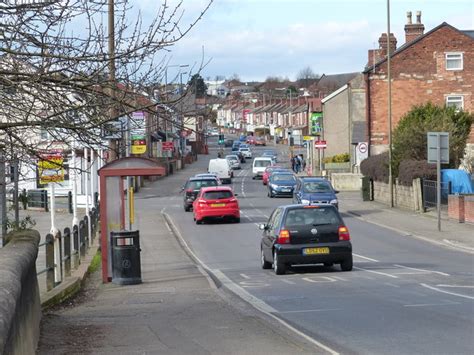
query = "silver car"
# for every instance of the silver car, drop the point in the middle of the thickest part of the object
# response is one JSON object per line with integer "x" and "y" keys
{"x": 246, "y": 152}
{"x": 234, "y": 161}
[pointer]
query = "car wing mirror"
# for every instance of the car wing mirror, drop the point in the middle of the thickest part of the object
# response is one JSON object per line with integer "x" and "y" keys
{"x": 336, "y": 191}
{"x": 262, "y": 226}
{"x": 236, "y": 195}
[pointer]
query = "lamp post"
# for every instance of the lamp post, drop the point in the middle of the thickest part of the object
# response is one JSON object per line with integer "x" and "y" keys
{"x": 389, "y": 77}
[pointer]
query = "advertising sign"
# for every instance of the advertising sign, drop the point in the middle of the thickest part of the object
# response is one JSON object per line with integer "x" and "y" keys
{"x": 50, "y": 167}
{"x": 316, "y": 123}
{"x": 137, "y": 124}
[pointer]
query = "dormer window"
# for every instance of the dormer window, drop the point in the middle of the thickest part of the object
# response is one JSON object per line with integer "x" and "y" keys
{"x": 454, "y": 61}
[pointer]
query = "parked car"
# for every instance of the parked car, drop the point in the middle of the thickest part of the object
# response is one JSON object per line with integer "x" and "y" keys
{"x": 247, "y": 153}
{"x": 216, "y": 202}
{"x": 260, "y": 141}
{"x": 207, "y": 175}
{"x": 222, "y": 169}
{"x": 228, "y": 143}
{"x": 297, "y": 234}
{"x": 259, "y": 165}
{"x": 315, "y": 190}
{"x": 281, "y": 184}
{"x": 234, "y": 161}
{"x": 251, "y": 140}
{"x": 192, "y": 187}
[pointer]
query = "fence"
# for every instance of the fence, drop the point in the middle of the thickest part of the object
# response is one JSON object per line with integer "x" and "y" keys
{"x": 65, "y": 251}
{"x": 430, "y": 194}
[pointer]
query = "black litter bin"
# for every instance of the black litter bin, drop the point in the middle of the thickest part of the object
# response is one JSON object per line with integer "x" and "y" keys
{"x": 126, "y": 265}
{"x": 366, "y": 189}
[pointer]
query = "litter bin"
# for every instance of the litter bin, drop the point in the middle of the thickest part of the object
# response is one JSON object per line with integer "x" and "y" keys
{"x": 366, "y": 189}
{"x": 126, "y": 265}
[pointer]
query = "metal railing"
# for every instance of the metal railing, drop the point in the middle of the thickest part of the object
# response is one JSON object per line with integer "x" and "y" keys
{"x": 65, "y": 251}
{"x": 430, "y": 194}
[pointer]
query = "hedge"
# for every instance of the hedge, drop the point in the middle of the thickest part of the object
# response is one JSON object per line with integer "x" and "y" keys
{"x": 409, "y": 170}
{"x": 338, "y": 158}
{"x": 376, "y": 167}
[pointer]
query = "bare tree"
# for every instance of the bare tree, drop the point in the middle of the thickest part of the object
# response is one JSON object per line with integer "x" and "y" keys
{"x": 55, "y": 87}
{"x": 306, "y": 77}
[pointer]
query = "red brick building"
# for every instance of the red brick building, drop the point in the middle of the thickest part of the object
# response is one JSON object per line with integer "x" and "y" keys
{"x": 436, "y": 66}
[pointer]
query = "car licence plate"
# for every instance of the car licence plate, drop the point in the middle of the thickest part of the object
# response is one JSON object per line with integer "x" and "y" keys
{"x": 217, "y": 204}
{"x": 313, "y": 251}
{"x": 285, "y": 190}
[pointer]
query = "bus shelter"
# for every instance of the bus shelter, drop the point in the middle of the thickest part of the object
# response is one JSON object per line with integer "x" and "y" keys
{"x": 112, "y": 200}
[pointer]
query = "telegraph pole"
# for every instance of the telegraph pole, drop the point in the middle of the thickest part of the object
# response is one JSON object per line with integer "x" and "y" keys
{"x": 389, "y": 77}
{"x": 112, "y": 109}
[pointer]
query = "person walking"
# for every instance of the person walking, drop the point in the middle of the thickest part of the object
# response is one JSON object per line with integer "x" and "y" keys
{"x": 293, "y": 163}
{"x": 297, "y": 164}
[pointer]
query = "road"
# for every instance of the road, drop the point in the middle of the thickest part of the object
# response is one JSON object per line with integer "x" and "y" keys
{"x": 404, "y": 295}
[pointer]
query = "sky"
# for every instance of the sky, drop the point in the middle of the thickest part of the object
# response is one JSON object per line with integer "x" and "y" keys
{"x": 255, "y": 39}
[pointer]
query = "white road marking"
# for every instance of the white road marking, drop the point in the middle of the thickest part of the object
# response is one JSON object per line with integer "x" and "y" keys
{"x": 447, "y": 292}
{"x": 245, "y": 276}
{"x": 314, "y": 310}
{"x": 365, "y": 257}
{"x": 377, "y": 272}
{"x": 339, "y": 278}
{"x": 288, "y": 281}
{"x": 390, "y": 284}
{"x": 457, "y": 245}
{"x": 321, "y": 279}
{"x": 455, "y": 286}
{"x": 242, "y": 293}
{"x": 253, "y": 284}
{"x": 416, "y": 269}
{"x": 430, "y": 304}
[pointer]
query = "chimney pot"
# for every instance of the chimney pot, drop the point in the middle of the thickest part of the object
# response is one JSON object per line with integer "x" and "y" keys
{"x": 408, "y": 17}
{"x": 418, "y": 17}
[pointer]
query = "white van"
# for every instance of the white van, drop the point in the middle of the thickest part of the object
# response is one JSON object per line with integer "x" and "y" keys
{"x": 259, "y": 165}
{"x": 222, "y": 169}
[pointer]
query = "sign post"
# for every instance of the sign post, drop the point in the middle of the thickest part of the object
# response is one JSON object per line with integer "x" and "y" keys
{"x": 438, "y": 152}
{"x": 320, "y": 145}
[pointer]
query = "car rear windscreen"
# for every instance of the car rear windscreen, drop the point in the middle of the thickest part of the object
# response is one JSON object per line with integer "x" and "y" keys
{"x": 197, "y": 184}
{"x": 316, "y": 186}
{"x": 312, "y": 216}
{"x": 283, "y": 177}
{"x": 262, "y": 163}
{"x": 217, "y": 195}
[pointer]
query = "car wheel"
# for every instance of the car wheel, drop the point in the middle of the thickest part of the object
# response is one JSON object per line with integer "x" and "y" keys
{"x": 237, "y": 220}
{"x": 278, "y": 266}
{"x": 328, "y": 264}
{"x": 265, "y": 264}
{"x": 253, "y": 177}
{"x": 187, "y": 208}
{"x": 270, "y": 194}
{"x": 198, "y": 221}
{"x": 346, "y": 265}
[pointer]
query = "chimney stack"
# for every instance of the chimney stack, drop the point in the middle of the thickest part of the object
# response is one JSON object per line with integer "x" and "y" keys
{"x": 383, "y": 44}
{"x": 413, "y": 30}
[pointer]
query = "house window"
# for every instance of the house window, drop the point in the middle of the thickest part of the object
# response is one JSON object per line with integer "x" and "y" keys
{"x": 456, "y": 101}
{"x": 454, "y": 61}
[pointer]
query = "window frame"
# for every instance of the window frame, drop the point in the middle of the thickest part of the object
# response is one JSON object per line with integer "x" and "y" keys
{"x": 452, "y": 96}
{"x": 461, "y": 54}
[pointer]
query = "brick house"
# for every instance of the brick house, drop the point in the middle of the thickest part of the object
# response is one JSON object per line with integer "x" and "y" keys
{"x": 436, "y": 66}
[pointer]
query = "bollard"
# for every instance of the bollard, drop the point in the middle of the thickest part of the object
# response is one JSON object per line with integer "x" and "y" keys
{"x": 58, "y": 259}
{"x": 67, "y": 251}
{"x": 69, "y": 202}
{"x": 49, "y": 262}
{"x": 82, "y": 236}
{"x": 44, "y": 200}
{"x": 76, "y": 246}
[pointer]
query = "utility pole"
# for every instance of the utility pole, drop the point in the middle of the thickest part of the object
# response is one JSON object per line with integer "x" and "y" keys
{"x": 389, "y": 77}
{"x": 112, "y": 109}
{"x": 3, "y": 197}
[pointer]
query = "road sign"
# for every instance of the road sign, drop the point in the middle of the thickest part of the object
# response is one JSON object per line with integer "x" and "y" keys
{"x": 362, "y": 152}
{"x": 308, "y": 138}
{"x": 167, "y": 146}
{"x": 320, "y": 144}
{"x": 50, "y": 167}
{"x": 436, "y": 139}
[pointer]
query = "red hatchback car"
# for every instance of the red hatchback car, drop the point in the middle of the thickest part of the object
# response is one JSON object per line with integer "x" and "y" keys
{"x": 216, "y": 202}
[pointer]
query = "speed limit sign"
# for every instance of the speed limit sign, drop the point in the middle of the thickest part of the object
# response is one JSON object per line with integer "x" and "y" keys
{"x": 362, "y": 147}
{"x": 362, "y": 152}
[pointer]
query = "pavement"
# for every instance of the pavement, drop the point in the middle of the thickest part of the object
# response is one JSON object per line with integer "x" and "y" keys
{"x": 178, "y": 309}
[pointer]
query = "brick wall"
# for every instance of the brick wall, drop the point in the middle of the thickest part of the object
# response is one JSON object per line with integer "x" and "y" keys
{"x": 419, "y": 76}
{"x": 461, "y": 208}
{"x": 469, "y": 208}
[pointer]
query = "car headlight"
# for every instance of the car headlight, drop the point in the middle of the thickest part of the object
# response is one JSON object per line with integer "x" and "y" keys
{"x": 273, "y": 186}
{"x": 333, "y": 202}
{"x": 305, "y": 202}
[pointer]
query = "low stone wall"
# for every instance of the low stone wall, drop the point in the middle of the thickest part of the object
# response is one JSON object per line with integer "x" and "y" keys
{"x": 20, "y": 308}
{"x": 346, "y": 181}
{"x": 461, "y": 208}
{"x": 408, "y": 197}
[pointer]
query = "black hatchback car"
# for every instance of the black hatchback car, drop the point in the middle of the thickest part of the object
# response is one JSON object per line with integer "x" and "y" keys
{"x": 298, "y": 234}
{"x": 192, "y": 187}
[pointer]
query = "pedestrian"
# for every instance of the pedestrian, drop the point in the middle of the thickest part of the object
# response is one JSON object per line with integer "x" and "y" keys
{"x": 297, "y": 164}
{"x": 293, "y": 163}
{"x": 303, "y": 162}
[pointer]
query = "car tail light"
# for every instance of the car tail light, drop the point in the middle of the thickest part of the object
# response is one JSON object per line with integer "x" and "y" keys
{"x": 202, "y": 203}
{"x": 344, "y": 233}
{"x": 283, "y": 237}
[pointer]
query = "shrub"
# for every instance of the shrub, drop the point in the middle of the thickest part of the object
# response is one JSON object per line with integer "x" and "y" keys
{"x": 338, "y": 158}
{"x": 376, "y": 167}
{"x": 413, "y": 169}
